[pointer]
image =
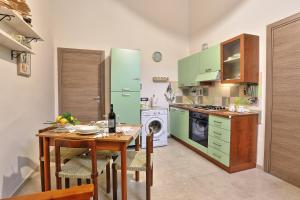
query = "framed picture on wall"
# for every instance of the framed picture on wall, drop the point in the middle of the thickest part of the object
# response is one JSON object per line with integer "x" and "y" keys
{"x": 24, "y": 64}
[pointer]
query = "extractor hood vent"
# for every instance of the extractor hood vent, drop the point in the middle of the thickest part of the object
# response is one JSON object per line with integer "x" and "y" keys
{"x": 209, "y": 76}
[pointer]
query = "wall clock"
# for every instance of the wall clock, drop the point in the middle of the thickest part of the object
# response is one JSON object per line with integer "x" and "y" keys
{"x": 157, "y": 56}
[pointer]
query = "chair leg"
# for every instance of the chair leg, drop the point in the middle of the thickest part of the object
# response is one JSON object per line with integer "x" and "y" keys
{"x": 88, "y": 181}
{"x": 42, "y": 176}
{"x": 115, "y": 181}
{"x": 108, "y": 178}
{"x": 58, "y": 183}
{"x": 137, "y": 176}
{"x": 41, "y": 150}
{"x": 67, "y": 183}
{"x": 79, "y": 182}
{"x": 148, "y": 184}
{"x": 95, "y": 182}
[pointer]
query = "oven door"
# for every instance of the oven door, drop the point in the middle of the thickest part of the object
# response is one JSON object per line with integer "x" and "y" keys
{"x": 199, "y": 131}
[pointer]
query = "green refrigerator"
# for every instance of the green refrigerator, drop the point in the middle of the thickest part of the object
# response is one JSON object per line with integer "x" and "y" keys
{"x": 126, "y": 85}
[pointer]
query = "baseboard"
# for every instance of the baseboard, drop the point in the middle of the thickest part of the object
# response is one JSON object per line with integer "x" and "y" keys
{"x": 20, "y": 186}
{"x": 259, "y": 167}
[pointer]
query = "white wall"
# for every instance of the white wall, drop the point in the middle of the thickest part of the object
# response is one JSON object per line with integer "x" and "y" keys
{"x": 25, "y": 103}
{"x": 145, "y": 25}
{"x": 247, "y": 16}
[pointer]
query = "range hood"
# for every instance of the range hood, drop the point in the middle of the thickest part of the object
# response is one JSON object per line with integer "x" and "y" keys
{"x": 208, "y": 76}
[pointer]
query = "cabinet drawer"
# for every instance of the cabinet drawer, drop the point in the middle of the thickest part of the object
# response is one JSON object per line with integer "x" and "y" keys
{"x": 219, "y": 133}
{"x": 219, "y": 145}
{"x": 219, "y": 156}
{"x": 219, "y": 122}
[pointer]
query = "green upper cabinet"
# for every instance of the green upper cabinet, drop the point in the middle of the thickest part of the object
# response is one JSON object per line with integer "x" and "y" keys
{"x": 125, "y": 70}
{"x": 188, "y": 68}
{"x": 182, "y": 75}
{"x": 210, "y": 59}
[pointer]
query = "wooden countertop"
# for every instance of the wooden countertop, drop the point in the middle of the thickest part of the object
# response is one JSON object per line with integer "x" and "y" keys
{"x": 220, "y": 113}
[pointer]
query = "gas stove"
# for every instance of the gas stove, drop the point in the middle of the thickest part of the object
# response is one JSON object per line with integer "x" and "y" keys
{"x": 209, "y": 107}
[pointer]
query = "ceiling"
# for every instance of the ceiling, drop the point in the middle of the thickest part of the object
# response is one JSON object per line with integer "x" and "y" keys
{"x": 204, "y": 13}
{"x": 169, "y": 15}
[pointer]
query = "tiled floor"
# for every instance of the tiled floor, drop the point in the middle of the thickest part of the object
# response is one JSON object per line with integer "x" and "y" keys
{"x": 181, "y": 174}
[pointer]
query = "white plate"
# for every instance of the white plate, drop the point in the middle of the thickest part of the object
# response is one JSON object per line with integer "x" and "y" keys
{"x": 102, "y": 123}
{"x": 87, "y": 129}
{"x": 89, "y": 133}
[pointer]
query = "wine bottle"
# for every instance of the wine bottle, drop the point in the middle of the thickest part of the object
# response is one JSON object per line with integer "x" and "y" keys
{"x": 111, "y": 120}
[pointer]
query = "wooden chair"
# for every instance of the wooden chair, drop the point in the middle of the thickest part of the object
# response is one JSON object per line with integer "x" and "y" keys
{"x": 83, "y": 167}
{"x": 66, "y": 154}
{"x": 137, "y": 161}
{"x": 84, "y": 192}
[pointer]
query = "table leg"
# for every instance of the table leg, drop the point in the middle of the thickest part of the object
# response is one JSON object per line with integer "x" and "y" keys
{"x": 47, "y": 177}
{"x": 124, "y": 172}
{"x": 137, "y": 148}
{"x": 41, "y": 155}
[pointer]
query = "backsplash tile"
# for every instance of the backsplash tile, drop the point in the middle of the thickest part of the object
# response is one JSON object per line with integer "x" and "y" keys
{"x": 218, "y": 94}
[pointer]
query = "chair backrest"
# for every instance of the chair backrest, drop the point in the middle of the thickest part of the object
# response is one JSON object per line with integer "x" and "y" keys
{"x": 84, "y": 192}
{"x": 90, "y": 144}
{"x": 149, "y": 148}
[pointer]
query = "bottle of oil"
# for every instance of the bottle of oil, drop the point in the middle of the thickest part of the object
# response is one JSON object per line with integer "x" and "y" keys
{"x": 111, "y": 120}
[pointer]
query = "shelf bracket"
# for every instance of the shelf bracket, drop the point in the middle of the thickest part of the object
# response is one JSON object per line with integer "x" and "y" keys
{"x": 8, "y": 17}
{"x": 15, "y": 54}
{"x": 30, "y": 39}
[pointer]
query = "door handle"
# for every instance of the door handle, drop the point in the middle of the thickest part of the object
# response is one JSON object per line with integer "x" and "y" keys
{"x": 126, "y": 90}
{"x": 96, "y": 98}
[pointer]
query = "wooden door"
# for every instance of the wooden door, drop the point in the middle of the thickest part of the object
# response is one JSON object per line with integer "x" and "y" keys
{"x": 81, "y": 83}
{"x": 283, "y": 100}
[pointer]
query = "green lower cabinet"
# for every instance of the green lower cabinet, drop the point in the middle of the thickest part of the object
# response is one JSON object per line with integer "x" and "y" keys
{"x": 219, "y": 139}
{"x": 179, "y": 122}
{"x": 219, "y": 122}
{"x": 219, "y": 133}
{"x": 219, "y": 145}
{"x": 183, "y": 123}
{"x": 219, "y": 156}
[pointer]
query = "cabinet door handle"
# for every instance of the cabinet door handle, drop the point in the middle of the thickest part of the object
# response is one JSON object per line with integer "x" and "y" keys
{"x": 208, "y": 70}
{"x": 218, "y": 124}
{"x": 126, "y": 95}
{"x": 217, "y": 133}
{"x": 125, "y": 89}
{"x": 136, "y": 79}
{"x": 96, "y": 98}
{"x": 219, "y": 145}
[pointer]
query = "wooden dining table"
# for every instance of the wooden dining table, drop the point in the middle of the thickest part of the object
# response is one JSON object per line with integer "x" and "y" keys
{"x": 112, "y": 141}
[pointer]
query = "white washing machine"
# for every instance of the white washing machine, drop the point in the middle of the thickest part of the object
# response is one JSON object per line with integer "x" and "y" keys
{"x": 157, "y": 119}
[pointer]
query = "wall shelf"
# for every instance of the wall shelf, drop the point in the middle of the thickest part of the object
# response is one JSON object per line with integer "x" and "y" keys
{"x": 16, "y": 22}
{"x": 7, "y": 41}
{"x": 232, "y": 60}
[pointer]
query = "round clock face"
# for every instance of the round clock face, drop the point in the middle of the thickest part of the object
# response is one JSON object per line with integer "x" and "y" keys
{"x": 157, "y": 56}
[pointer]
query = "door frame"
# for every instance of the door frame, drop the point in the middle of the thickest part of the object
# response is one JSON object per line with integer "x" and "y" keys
{"x": 269, "y": 86}
{"x": 101, "y": 53}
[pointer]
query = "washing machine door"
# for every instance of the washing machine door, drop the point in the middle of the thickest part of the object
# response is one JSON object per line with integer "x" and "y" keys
{"x": 157, "y": 126}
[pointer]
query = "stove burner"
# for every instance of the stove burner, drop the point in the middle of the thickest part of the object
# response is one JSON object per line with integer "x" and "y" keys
{"x": 210, "y": 107}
